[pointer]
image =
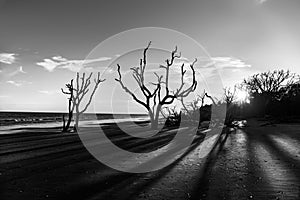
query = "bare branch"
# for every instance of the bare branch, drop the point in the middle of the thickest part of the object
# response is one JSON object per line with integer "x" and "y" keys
{"x": 82, "y": 89}
{"x": 127, "y": 90}
{"x": 211, "y": 98}
{"x": 269, "y": 83}
{"x": 186, "y": 92}
{"x": 155, "y": 94}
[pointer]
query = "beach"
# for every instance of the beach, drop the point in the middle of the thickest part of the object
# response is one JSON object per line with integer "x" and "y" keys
{"x": 43, "y": 163}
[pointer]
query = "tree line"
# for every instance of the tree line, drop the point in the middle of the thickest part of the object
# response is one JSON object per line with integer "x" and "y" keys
{"x": 273, "y": 93}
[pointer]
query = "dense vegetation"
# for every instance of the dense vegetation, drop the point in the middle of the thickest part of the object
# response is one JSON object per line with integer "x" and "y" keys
{"x": 273, "y": 94}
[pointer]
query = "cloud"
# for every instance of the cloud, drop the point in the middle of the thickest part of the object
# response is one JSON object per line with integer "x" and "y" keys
{"x": 73, "y": 65}
{"x": 48, "y": 92}
{"x": 18, "y": 71}
{"x": 261, "y": 1}
{"x": 226, "y": 62}
{"x": 59, "y": 58}
{"x": 14, "y": 83}
{"x": 8, "y": 58}
{"x": 48, "y": 64}
{"x": 18, "y": 83}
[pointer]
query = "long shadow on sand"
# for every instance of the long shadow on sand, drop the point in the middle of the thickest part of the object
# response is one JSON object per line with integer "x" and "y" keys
{"x": 274, "y": 170}
{"x": 258, "y": 168}
{"x": 105, "y": 188}
{"x": 200, "y": 190}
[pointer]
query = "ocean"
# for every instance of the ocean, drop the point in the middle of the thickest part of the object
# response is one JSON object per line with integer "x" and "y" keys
{"x": 17, "y": 120}
{"x": 14, "y": 118}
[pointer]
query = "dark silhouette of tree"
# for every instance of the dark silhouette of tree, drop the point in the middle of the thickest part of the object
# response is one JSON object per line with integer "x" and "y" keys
{"x": 82, "y": 88}
{"x": 77, "y": 94}
{"x": 290, "y": 90}
{"x": 229, "y": 98}
{"x": 229, "y": 95}
{"x": 288, "y": 102}
{"x": 269, "y": 82}
{"x": 218, "y": 108}
{"x": 267, "y": 86}
{"x": 171, "y": 115}
{"x": 192, "y": 110}
{"x": 213, "y": 100}
{"x": 70, "y": 90}
{"x": 161, "y": 94}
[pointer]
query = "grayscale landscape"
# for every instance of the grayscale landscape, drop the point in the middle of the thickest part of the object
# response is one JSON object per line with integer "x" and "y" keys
{"x": 151, "y": 100}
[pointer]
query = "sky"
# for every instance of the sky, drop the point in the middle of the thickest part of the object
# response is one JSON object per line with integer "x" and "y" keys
{"x": 43, "y": 43}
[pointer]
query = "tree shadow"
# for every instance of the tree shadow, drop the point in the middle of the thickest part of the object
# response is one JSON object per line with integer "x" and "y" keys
{"x": 116, "y": 183}
{"x": 286, "y": 159}
{"x": 262, "y": 170}
{"x": 203, "y": 182}
{"x": 257, "y": 184}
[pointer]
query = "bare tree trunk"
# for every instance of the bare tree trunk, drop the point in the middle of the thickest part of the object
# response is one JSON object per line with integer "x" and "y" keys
{"x": 76, "y": 123}
{"x": 154, "y": 123}
{"x": 76, "y": 94}
{"x": 69, "y": 120}
{"x": 155, "y": 97}
{"x": 81, "y": 90}
{"x": 156, "y": 117}
{"x": 66, "y": 126}
{"x": 64, "y": 123}
{"x": 152, "y": 119}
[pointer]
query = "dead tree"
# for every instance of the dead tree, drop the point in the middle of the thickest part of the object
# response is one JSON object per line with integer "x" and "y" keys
{"x": 212, "y": 99}
{"x": 229, "y": 95}
{"x": 70, "y": 90}
{"x": 82, "y": 88}
{"x": 192, "y": 109}
{"x": 269, "y": 82}
{"x": 267, "y": 86}
{"x": 229, "y": 98}
{"x": 171, "y": 115}
{"x": 161, "y": 94}
{"x": 218, "y": 108}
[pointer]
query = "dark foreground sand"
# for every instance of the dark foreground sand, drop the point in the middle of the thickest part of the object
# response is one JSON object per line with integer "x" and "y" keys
{"x": 250, "y": 163}
{"x": 256, "y": 162}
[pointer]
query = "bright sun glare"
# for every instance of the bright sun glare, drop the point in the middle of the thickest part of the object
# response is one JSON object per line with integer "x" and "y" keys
{"x": 242, "y": 96}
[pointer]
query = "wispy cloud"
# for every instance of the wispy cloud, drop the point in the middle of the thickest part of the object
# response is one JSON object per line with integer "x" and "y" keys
{"x": 18, "y": 83}
{"x": 227, "y": 62}
{"x": 8, "y": 58}
{"x": 209, "y": 67}
{"x": 59, "y": 58}
{"x": 18, "y": 71}
{"x": 73, "y": 65}
{"x": 261, "y": 1}
{"x": 48, "y": 92}
{"x": 48, "y": 64}
{"x": 14, "y": 83}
